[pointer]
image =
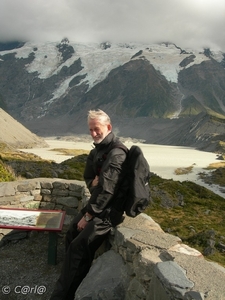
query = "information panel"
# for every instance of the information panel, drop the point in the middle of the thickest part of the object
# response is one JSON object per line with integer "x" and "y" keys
{"x": 32, "y": 219}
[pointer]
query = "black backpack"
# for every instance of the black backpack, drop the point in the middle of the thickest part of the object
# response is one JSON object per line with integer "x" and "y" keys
{"x": 138, "y": 173}
{"x": 137, "y": 192}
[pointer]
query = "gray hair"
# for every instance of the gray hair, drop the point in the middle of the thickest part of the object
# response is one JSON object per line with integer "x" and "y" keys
{"x": 100, "y": 115}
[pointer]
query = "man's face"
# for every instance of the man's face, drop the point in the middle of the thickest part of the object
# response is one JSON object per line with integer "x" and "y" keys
{"x": 98, "y": 131}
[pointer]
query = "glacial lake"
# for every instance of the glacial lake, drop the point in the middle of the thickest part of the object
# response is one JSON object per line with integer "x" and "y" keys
{"x": 163, "y": 160}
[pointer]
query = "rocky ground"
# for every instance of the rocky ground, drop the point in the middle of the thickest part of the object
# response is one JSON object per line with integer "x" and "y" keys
{"x": 24, "y": 270}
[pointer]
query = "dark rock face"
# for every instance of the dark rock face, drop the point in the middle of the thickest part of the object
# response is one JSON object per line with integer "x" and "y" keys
{"x": 10, "y": 45}
{"x": 135, "y": 89}
{"x": 206, "y": 84}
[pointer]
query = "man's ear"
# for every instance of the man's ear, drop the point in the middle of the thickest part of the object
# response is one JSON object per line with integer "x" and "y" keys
{"x": 109, "y": 126}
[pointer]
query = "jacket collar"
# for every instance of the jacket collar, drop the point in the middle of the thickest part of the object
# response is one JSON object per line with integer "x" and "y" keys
{"x": 105, "y": 142}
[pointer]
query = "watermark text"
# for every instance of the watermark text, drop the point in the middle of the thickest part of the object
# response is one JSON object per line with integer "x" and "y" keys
{"x": 24, "y": 289}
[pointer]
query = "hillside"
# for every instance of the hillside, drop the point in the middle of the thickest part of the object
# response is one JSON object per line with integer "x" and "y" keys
{"x": 16, "y": 135}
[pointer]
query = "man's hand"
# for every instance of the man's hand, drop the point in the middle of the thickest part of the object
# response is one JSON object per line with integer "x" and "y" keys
{"x": 83, "y": 223}
{"x": 95, "y": 181}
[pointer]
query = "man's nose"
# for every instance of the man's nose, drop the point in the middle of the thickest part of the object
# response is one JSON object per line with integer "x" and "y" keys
{"x": 93, "y": 133}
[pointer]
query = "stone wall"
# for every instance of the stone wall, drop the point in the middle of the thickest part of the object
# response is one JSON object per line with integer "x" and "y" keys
{"x": 44, "y": 193}
{"x": 147, "y": 262}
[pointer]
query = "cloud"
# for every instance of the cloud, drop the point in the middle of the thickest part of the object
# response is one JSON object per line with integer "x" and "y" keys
{"x": 187, "y": 23}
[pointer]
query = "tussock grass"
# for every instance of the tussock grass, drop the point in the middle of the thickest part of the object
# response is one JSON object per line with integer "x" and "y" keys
{"x": 182, "y": 171}
{"x": 216, "y": 165}
{"x": 72, "y": 152}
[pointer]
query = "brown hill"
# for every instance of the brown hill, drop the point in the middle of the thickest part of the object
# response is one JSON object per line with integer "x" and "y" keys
{"x": 15, "y": 134}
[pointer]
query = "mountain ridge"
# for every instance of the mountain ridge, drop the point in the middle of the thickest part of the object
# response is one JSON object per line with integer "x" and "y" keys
{"x": 49, "y": 88}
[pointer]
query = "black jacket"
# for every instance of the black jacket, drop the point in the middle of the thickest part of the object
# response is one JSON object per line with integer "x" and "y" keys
{"x": 110, "y": 166}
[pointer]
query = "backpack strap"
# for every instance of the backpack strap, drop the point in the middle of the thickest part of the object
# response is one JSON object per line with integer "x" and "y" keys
{"x": 119, "y": 145}
{"x": 116, "y": 144}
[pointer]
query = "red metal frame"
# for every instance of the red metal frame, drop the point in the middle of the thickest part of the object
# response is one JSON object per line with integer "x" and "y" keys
{"x": 21, "y": 227}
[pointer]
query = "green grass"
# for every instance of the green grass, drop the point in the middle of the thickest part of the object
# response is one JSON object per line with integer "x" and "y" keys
{"x": 193, "y": 212}
{"x": 217, "y": 175}
{"x": 6, "y": 174}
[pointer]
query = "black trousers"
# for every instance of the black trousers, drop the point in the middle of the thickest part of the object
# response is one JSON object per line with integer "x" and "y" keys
{"x": 80, "y": 250}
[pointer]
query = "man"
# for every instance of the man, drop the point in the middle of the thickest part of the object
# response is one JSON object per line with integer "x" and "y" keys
{"x": 104, "y": 175}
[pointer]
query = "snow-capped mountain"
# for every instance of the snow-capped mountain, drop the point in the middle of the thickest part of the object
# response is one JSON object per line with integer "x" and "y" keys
{"x": 149, "y": 90}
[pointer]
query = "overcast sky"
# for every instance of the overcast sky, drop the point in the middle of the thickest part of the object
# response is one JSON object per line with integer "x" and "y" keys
{"x": 187, "y": 23}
